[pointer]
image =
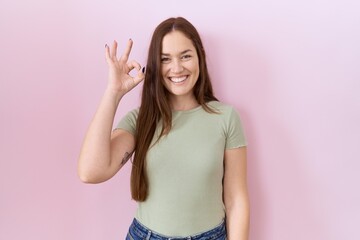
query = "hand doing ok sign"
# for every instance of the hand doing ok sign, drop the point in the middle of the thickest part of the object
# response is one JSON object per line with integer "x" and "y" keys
{"x": 120, "y": 80}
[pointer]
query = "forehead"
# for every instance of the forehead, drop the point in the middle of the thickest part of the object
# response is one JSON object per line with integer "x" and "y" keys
{"x": 176, "y": 42}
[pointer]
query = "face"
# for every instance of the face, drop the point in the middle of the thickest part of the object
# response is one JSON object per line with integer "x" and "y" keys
{"x": 179, "y": 64}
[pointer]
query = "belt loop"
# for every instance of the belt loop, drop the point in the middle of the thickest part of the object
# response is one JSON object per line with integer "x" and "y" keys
{"x": 148, "y": 235}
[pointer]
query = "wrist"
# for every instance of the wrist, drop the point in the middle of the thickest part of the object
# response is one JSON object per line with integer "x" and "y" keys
{"x": 113, "y": 94}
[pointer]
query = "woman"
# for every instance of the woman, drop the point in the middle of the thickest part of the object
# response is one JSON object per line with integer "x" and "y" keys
{"x": 189, "y": 166}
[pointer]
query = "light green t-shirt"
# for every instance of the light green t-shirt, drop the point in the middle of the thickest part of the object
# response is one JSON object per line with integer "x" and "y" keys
{"x": 185, "y": 170}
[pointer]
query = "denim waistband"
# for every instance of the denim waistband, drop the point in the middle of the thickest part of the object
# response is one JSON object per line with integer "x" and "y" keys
{"x": 142, "y": 232}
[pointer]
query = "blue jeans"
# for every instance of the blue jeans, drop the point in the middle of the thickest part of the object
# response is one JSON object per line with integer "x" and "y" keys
{"x": 137, "y": 231}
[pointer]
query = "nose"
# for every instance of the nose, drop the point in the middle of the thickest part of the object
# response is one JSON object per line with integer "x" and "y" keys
{"x": 176, "y": 66}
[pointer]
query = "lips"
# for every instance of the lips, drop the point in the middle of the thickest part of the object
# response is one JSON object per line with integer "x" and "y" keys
{"x": 178, "y": 79}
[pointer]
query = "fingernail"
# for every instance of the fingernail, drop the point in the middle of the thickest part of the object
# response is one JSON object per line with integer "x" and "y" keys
{"x": 143, "y": 69}
{"x": 130, "y": 39}
{"x": 105, "y": 45}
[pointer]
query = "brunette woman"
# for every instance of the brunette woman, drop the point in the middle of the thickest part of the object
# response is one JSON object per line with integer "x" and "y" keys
{"x": 189, "y": 150}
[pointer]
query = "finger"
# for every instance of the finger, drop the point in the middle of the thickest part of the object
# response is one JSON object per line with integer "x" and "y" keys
{"x": 107, "y": 53}
{"x": 140, "y": 76}
{"x": 133, "y": 64}
{"x": 127, "y": 51}
{"x": 114, "y": 50}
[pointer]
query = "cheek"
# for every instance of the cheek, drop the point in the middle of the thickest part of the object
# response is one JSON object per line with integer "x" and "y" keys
{"x": 192, "y": 66}
{"x": 196, "y": 69}
{"x": 196, "y": 65}
{"x": 164, "y": 71}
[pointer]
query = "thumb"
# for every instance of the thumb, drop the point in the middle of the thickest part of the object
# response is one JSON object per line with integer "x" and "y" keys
{"x": 140, "y": 76}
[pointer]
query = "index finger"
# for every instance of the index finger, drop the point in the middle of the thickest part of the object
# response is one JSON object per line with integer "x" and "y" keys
{"x": 127, "y": 51}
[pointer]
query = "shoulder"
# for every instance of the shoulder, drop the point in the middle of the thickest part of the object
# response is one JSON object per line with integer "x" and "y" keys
{"x": 133, "y": 113}
{"x": 128, "y": 121}
{"x": 231, "y": 124}
{"x": 222, "y": 108}
{"x": 225, "y": 113}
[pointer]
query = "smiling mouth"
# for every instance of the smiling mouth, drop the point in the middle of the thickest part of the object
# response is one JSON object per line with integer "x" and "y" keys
{"x": 178, "y": 79}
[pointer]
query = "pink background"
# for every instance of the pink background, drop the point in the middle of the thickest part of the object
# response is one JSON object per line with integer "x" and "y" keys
{"x": 291, "y": 68}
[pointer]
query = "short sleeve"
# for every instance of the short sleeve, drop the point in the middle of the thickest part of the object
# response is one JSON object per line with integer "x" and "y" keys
{"x": 235, "y": 136}
{"x": 128, "y": 122}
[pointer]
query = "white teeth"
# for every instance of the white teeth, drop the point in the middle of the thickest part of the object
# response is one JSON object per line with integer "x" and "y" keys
{"x": 178, "y": 79}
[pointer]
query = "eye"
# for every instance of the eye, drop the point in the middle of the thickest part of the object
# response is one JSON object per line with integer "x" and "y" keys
{"x": 185, "y": 57}
{"x": 165, "y": 59}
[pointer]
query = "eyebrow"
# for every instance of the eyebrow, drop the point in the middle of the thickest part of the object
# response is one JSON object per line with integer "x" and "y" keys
{"x": 183, "y": 52}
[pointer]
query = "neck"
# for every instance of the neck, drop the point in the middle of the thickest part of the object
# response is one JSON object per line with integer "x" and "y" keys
{"x": 183, "y": 103}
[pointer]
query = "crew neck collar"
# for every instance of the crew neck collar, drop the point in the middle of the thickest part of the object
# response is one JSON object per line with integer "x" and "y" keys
{"x": 189, "y": 110}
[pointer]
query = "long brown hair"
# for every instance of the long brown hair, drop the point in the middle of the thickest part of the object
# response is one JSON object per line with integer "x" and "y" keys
{"x": 155, "y": 106}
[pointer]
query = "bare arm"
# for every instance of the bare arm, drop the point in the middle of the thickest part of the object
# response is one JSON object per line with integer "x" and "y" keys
{"x": 103, "y": 153}
{"x": 236, "y": 195}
